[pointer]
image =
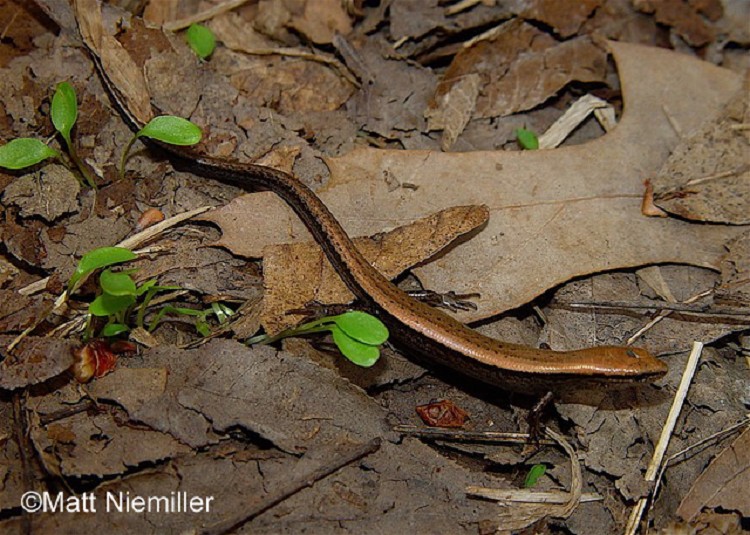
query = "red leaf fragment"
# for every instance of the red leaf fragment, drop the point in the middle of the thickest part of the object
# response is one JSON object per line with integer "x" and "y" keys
{"x": 443, "y": 413}
{"x": 94, "y": 359}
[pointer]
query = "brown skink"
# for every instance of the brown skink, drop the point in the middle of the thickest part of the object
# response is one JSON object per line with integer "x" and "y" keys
{"x": 437, "y": 337}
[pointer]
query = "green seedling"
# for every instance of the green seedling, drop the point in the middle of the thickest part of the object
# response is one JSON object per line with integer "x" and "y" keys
{"x": 25, "y": 152}
{"x": 201, "y": 40}
{"x": 64, "y": 113}
{"x": 532, "y": 478}
{"x": 97, "y": 259}
{"x": 167, "y": 129}
{"x": 358, "y": 335}
{"x": 527, "y": 139}
{"x": 220, "y": 310}
{"x": 120, "y": 297}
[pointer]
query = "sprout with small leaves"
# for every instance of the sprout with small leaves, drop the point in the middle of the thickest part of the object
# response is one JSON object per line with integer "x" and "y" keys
{"x": 64, "y": 113}
{"x": 167, "y": 129}
{"x": 201, "y": 40}
{"x": 25, "y": 152}
{"x": 358, "y": 335}
{"x": 537, "y": 471}
{"x": 527, "y": 139}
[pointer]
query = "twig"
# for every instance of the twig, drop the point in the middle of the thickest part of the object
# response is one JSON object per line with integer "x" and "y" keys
{"x": 463, "y": 5}
{"x": 716, "y": 176}
{"x": 292, "y": 487}
{"x": 666, "y": 434}
{"x": 703, "y": 310}
{"x": 663, "y": 314}
{"x": 67, "y": 412}
{"x": 561, "y": 504}
{"x": 706, "y": 441}
{"x": 576, "y": 114}
{"x": 458, "y": 435}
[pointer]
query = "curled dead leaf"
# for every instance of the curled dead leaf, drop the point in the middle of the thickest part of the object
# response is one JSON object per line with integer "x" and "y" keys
{"x": 443, "y": 413}
{"x": 648, "y": 208}
{"x": 94, "y": 359}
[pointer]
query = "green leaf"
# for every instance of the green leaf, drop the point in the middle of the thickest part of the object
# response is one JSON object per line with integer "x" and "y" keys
{"x": 201, "y": 40}
{"x": 117, "y": 283}
{"x": 145, "y": 286}
{"x": 64, "y": 110}
{"x": 172, "y": 130}
{"x": 150, "y": 285}
{"x": 99, "y": 258}
{"x": 527, "y": 139}
{"x": 362, "y": 327}
{"x": 24, "y": 152}
{"x": 114, "y": 329}
{"x": 364, "y": 355}
{"x": 222, "y": 311}
{"x": 203, "y": 328}
{"x": 187, "y": 311}
{"x": 107, "y": 305}
{"x": 534, "y": 474}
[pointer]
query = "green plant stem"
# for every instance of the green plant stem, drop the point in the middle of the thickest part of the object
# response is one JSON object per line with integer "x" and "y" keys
{"x": 81, "y": 167}
{"x": 125, "y": 156}
{"x": 317, "y": 326}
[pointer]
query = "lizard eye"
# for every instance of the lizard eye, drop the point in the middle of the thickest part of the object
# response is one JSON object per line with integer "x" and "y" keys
{"x": 631, "y": 353}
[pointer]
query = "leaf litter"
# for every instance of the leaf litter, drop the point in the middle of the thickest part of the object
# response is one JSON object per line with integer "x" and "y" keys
{"x": 212, "y": 423}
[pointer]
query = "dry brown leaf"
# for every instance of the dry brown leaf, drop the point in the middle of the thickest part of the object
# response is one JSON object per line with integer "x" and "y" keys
{"x": 159, "y": 12}
{"x": 555, "y": 214}
{"x": 118, "y": 64}
{"x": 397, "y": 97}
{"x": 312, "y": 405}
{"x": 320, "y": 20}
{"x": 735, "y": 273}
{"x": 723, "y": 484}
{"x": 415, "y": 18}
{"x": 236, "y": 34}
{"x": 567, "y": 328}
{"x": 521, "y": 67}
{"x": 681, "y": 16}
{"x": 289, "y": 86}
{"x": 49, "y": 193}
{"x": 98, "y": 445}
{"x": 296, "y": 274}
{"x": 8, "y": 272}
{"x": 64, "y": 251}
{"x": 131, "y": 387}
{"x": 707, "y": 177}
{"x": 455, "y": 109}
{"x": 408, "y": 480}
{"x": 20, "y": 311}
{"x": 565, "y": 16}
{"x": 33, "y": 361}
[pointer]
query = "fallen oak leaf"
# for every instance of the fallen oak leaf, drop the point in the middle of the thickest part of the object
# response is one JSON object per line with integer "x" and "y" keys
{"x": 707, "y": 177}
{"x": 554, "y": 215}
{"x": 521, "y": 67}
{"x": 565, "y": 16}
{"x": 125, "y": 447}
{"x": 33, "y": 361}
{"x": 723, "y": 484}
{"x": 298, "y": 274}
